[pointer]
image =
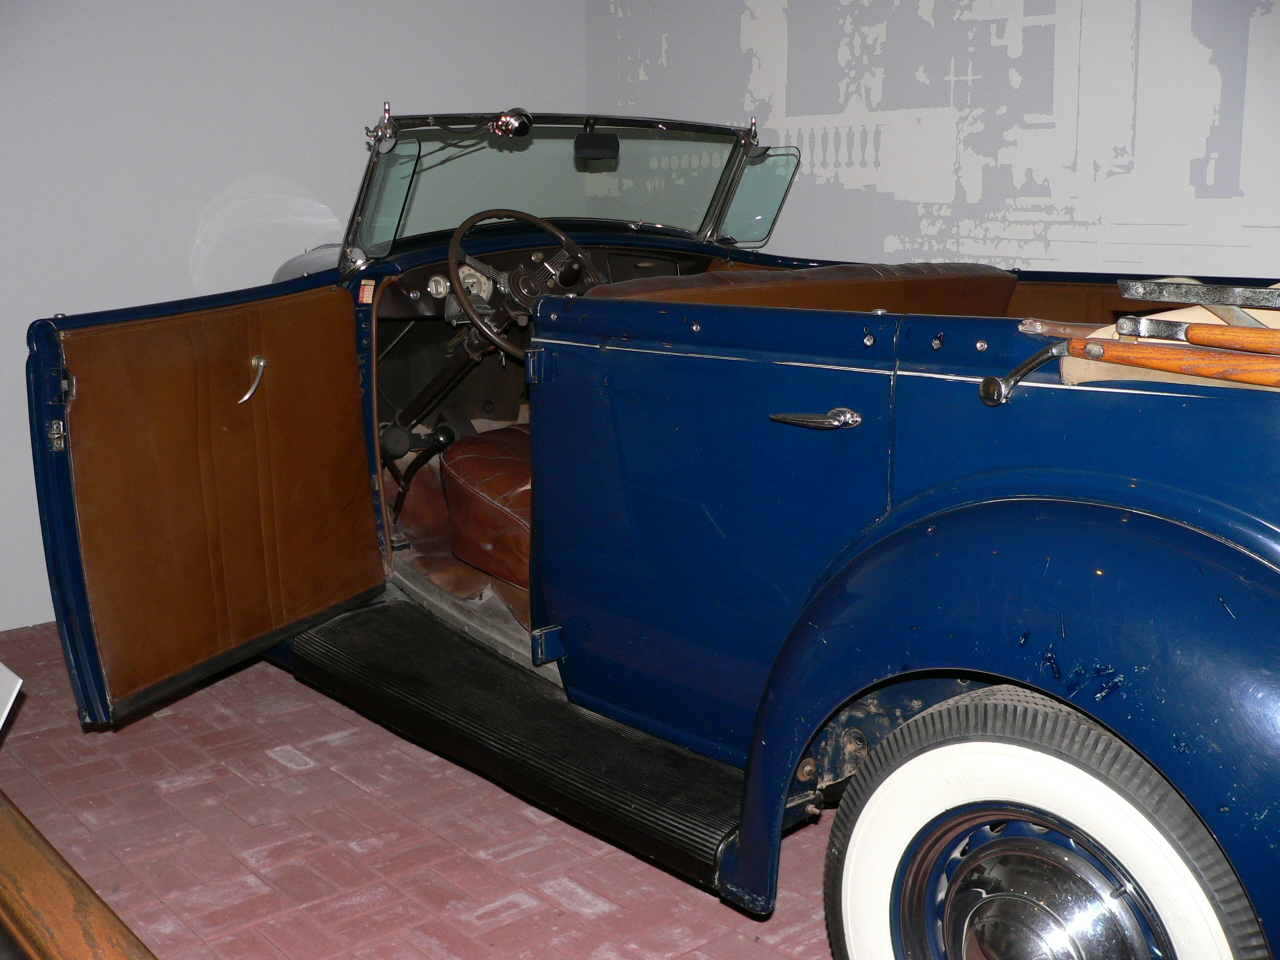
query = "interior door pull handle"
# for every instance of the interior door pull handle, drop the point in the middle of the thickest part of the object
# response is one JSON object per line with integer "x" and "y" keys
{"x": 837, "y": 419}
{"x": 259, "y": 364}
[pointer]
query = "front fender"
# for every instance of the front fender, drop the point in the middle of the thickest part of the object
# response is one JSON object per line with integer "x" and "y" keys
{"x": 1167, "y": 635}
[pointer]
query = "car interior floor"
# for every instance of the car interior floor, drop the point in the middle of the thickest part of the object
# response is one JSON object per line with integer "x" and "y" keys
{"x": 427, "y": 549}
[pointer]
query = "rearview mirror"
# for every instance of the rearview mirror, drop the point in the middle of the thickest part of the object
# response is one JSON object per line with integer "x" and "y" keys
{"x": 595, "y": 146}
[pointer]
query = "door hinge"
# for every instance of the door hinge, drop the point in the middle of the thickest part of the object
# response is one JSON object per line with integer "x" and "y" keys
{"x": 57, "y": 435}
{"x": 547, "y": 644}
{"x": 535, "y": 365}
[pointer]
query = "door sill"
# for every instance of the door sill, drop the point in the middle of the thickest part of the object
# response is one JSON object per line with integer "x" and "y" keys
{"x": 486, "y": 621}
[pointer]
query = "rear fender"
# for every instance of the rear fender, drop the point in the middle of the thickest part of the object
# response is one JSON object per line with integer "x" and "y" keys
{"x": 1166, "y": 634}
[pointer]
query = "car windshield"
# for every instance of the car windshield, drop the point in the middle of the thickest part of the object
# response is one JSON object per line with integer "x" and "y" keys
{"x": 433, "y": 178}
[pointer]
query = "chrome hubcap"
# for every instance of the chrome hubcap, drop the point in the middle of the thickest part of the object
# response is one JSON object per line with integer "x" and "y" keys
{"x": 993, "y": 882}
{"x": 1029, "y": 899}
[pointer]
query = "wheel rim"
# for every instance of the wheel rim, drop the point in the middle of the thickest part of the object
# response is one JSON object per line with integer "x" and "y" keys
{"x": 1001, "y": 882}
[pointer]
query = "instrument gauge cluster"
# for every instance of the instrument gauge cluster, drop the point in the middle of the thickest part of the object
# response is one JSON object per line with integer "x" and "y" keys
{"x": 477, "y": 284}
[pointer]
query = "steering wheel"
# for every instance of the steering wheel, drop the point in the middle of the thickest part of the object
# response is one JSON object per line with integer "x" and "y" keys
{"x": 523, "y": 285}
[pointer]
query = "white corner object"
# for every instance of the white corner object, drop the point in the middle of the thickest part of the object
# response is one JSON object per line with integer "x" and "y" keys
{"x": 10, "y": 684}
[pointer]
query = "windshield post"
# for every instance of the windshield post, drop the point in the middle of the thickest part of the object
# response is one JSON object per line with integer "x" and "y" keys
{"x": 728, "y": 184}
{"x": 352, "y": 257}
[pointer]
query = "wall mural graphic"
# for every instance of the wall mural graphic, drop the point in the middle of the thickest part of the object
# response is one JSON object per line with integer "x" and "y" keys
{"x": 1223, "y": 27}
{"x": 1110, "y": 135}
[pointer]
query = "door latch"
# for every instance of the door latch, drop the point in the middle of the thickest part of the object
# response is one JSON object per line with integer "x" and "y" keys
{"x": 547, "y": 645}
{"x": 535, "y": 365}
{"x": 838, "y": 419}
{"x": 66, "y": 385}
{"x": 57, "y": 435}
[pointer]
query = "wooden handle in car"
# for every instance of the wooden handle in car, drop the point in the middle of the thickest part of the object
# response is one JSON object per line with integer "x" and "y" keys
{"x": 1254, "y": 368}
{"x": 1251, "y": 339}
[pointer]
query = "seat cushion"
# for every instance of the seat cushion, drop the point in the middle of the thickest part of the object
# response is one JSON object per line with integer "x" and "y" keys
{"x": 487, "y": 479}
{"x": 956, "y": 289}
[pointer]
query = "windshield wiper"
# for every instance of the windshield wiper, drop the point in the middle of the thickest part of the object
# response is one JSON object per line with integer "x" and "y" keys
{"x": 462, "y": 152}
{"x": 641, "y": 224}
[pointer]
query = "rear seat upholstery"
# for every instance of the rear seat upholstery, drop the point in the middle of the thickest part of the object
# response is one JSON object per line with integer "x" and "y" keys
{"x": 958, "y": 289}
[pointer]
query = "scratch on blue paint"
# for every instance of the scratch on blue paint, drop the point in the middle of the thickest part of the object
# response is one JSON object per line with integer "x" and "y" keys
{"x": 1109, "y": 687}
{"x": 1050, "y": 660}
{"x": 1081, "y": 677}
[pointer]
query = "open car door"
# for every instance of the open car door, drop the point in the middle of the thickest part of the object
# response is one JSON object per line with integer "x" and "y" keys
{"x": 204, "y": 482}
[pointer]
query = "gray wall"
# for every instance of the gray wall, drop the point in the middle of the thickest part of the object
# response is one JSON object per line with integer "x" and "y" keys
{"x": 151, "y": 151}
{"x": 1109, "y": 135}
{"x": 155, "y": 150}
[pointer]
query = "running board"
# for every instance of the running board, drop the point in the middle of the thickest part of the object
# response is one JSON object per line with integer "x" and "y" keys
{"x": 397, "y": 664}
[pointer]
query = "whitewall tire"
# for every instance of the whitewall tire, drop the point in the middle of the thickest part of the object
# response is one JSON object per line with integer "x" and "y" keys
{"x": 1003, "y": 825}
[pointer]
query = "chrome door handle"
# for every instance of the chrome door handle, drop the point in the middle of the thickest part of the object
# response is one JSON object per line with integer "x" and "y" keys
{"x": 837, "y": 419}
{"x": 259, "y": 364}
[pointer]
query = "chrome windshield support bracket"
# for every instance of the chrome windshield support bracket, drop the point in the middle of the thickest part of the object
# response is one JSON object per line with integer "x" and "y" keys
{"x": 382, "y": 137}
{"x": 1204, "y": 294}
{"x": 1152, "y": 327}
{"x": 996, "y": 390}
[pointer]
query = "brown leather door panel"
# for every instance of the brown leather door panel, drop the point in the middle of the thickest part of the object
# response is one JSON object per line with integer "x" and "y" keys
{"x": 207, "y": 524}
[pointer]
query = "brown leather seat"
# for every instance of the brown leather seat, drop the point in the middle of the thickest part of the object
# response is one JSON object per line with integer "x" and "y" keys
{"x": 487, "y": 482}
{"x": 957, "y": 289}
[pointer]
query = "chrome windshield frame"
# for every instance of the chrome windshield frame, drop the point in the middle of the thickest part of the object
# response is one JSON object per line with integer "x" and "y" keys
{"x": 743, "y": 137}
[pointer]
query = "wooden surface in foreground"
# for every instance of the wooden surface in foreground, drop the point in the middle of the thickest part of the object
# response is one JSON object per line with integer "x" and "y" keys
{"x": 46, "y": 906}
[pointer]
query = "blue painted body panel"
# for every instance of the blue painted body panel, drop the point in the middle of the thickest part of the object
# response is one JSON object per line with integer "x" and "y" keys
{"x": 1174, "y": 645}
{"x": 680, "y": 525}
{"x": 1115, "y": 545}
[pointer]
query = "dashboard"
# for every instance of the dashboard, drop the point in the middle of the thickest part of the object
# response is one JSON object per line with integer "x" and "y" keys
{"x": 423, "y": 293}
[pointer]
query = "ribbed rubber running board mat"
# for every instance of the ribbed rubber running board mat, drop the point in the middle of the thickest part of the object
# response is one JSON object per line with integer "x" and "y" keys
{"x": 411, "y": 672}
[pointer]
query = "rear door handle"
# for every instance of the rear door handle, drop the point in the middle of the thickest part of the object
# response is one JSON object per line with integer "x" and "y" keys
{"x": 837, "y": 419}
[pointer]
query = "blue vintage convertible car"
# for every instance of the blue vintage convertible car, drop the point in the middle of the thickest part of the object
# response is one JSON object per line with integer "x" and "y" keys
{"x": 552, "y": 473}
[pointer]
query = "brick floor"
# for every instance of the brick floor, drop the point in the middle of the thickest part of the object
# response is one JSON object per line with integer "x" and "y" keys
{"x": 256, "y": 819}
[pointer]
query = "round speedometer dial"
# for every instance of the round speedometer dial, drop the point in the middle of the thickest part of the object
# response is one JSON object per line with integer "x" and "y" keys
{"x": 476, "y": 283}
